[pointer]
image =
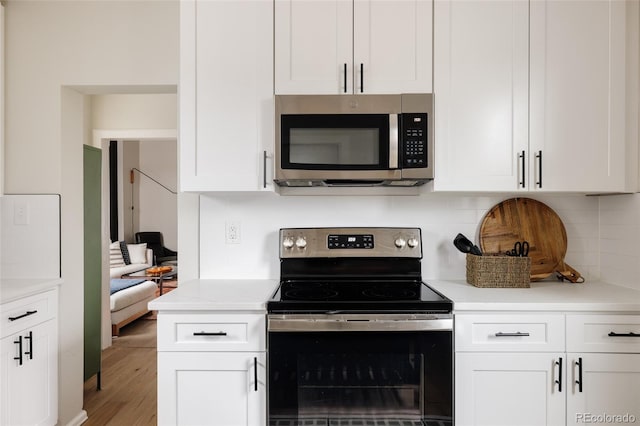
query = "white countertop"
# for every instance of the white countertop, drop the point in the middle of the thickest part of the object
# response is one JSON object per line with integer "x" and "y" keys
{"x": 541, "y": 296}
{"x": 252, "y": 295}
{"x": 218, "y": 295}
{"x": 12, "y": 289}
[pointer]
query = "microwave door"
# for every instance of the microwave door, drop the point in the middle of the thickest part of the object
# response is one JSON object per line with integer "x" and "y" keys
{"x": 348, "y": 142}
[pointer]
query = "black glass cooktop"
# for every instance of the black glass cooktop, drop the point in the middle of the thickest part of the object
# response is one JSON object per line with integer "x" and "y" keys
{"x": 296, "y": 296}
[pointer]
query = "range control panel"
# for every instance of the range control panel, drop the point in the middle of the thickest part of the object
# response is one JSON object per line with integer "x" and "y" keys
{"x": 414, "y": 140}
{"x": 350, "y": 242}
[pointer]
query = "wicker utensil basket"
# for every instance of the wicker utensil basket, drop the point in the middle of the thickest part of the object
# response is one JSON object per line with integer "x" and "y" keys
{"x": 498, "y": 271}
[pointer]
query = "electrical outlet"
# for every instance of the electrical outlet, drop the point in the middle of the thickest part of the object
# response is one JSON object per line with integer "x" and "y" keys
{"x": 21, "y": 213}
{"x": 232, "y": 232}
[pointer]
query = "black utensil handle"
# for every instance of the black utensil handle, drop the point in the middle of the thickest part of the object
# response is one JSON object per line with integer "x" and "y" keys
{"x": 522, "y": 159}
{"x": 629, "y": 334}
{"x": 579, "y": 381}
{"x": 19, "y": 343}
{"x": 345, "y": 77}
{"x": 255, "y": 373}
{"x": 516, "y": 334}
{"x": 26, "y": 314}
{"x": 559, "y": 381}
{"x": 539, "y": 157}
{"x": 30, "y": 351}
{"x": 361, "y": 77}
{"x": 206, "y": 333}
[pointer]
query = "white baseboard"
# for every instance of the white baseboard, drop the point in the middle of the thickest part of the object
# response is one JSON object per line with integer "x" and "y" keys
{"x": 79, "y": 419}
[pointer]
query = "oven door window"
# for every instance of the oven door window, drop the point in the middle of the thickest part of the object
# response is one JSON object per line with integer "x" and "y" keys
{"x": 335, "y": 141}
{"x": 326, "y": 377}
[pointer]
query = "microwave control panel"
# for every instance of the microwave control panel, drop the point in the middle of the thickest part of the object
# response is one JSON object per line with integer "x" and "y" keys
{"x": 414, "y": 140}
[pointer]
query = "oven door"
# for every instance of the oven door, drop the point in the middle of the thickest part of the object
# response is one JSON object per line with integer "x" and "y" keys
{"x": 359, "y": 370}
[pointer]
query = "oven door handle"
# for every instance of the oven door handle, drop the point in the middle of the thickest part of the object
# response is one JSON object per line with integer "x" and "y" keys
{"x": 355, "y": 324}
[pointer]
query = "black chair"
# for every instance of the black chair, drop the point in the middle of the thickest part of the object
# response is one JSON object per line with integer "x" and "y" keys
{"x": 155, "y": 242}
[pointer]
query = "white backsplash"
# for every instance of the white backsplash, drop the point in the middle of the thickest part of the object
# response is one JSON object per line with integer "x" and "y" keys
{"x": 440, "y": 216}
{"x": 620, "y": 240}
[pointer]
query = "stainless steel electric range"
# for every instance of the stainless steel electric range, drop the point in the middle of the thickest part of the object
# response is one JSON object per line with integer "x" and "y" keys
{"x": 355, "y": 337}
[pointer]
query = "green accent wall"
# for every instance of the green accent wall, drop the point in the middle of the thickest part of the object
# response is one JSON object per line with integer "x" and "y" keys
{"x": 92, "y": 163}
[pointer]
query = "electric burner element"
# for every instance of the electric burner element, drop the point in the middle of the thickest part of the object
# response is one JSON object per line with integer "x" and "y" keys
{"x": 310, "y": 294}
{"x": 390, "y": 293}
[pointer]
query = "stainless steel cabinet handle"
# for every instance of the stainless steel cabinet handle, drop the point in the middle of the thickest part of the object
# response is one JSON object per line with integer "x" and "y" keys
{"x": 205, "y": 333}
{"x": 579, "y": 381}
{"x": 559, "y": 381}
{"x": 30, "y": 351}
{"x": 629, "y": 334}
{"x": 19, "y": 343}
{"x": 522, "y": 158}
{"x": 539, "y": 157}
{"x": 26, "y": 314}
{"x": 516, "y": 334}
{"x": 264, "y": 169}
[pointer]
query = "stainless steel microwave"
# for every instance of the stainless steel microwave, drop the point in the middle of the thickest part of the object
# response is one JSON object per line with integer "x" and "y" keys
{"x": 354, "y": 140}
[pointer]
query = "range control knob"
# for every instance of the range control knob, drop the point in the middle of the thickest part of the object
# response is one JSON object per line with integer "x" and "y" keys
{"x": 412, "y": 242}
{"x": 287, "y": 242}
{"x": 301, "y": 242}
{"x": 400, "y": 242}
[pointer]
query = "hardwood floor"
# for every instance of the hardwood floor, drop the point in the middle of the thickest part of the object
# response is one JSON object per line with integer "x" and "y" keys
{"x": 129, "y": 367}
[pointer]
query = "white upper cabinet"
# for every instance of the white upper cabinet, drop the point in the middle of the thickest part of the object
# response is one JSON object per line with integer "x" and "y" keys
{"x": 226, "y": 95}
{"x": 578, "y": 95}
{"x": 530, "y": 96}
{"x": 481, "y": 70}
{"x": 353, "y": 46}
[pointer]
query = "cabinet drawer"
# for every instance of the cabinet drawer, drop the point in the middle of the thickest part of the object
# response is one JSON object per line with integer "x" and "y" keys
{"x": 28, "y": 311}
{"x": 211, "y": 332}
{"x": 508, "y": 332}
{"x": 603, "y": 333}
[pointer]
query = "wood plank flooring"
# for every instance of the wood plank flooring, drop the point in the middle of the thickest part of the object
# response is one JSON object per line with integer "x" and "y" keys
{"x": 129, "y": 370}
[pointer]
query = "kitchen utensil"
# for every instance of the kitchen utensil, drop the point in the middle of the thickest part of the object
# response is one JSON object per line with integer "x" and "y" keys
{"x": 526, "y": 219}
{"x": 465, "y": 245}
{"x": 520, "y": 249}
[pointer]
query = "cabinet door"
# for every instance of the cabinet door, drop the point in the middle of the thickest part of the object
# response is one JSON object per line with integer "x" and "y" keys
{"x": 480, "y": 94}
{"x": 212, "y": 388}
{"x": 610, "y": 386}
{"x": 29, "y": 391}
{"x": 509, "y": 389}
{"x": 578, "y": 95}
{"x": 392, "y": 42}
{"x": 313, "y": 46}
{"x": 226, "y": 94}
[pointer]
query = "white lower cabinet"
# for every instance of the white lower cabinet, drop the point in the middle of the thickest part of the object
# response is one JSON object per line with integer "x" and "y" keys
{"x": 603, "y": 388}
{"x": 208, "y": 388}
{"x": 513, "y": 369}
{"x": 29, "y": 361}
{"x": 603, "y": 353}
{"x": 211, "y": 369}
{"x": 508, "y": 389}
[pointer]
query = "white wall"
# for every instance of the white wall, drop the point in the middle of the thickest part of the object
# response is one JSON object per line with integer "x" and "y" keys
{"x": 1, "y": 98}
{"x": 94, "y": 47}
{"x": 620, "y": 239}
{"x": 158, "y": 207}
{"x": 135, "y": 111}
{"x": 441, "y": 217}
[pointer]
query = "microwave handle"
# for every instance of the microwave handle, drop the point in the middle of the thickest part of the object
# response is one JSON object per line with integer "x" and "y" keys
{"x": 393, "y": 141}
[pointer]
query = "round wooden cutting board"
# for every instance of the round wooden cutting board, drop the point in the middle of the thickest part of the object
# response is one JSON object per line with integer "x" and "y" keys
{"x": 526, "y": 219}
